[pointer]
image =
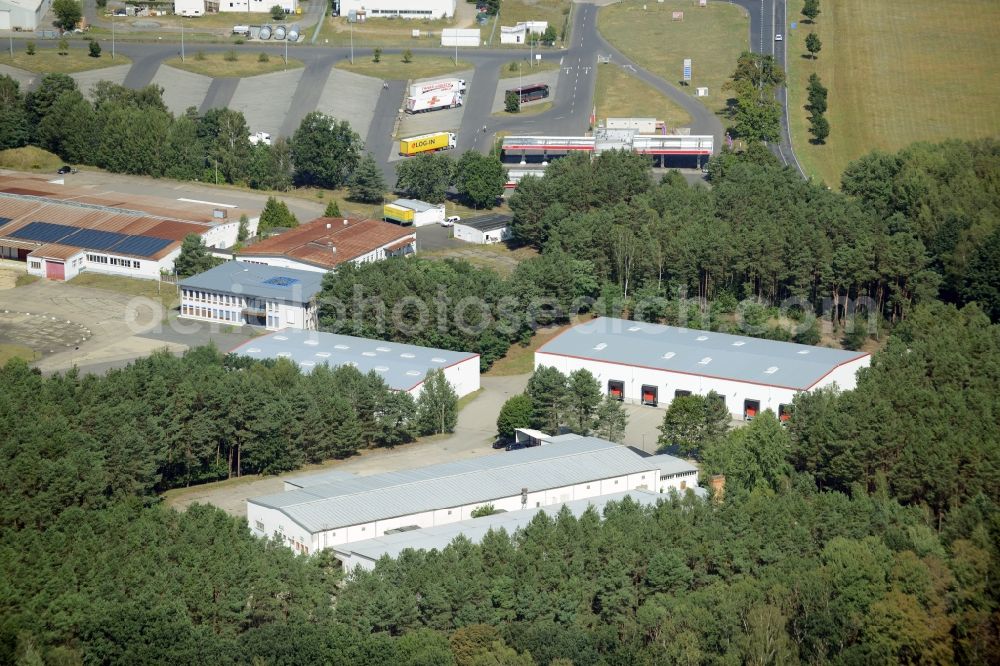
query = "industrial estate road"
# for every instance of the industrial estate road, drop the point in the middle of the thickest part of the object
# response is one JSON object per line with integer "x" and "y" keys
{"x": 572, "y": 102}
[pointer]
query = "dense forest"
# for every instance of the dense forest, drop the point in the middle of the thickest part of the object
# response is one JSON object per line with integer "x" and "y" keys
{"x": 165, "y": 421}
{"x": 865, "y": 532}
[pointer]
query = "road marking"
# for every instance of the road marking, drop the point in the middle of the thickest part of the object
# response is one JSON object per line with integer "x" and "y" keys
{"x": 210, "y": 203}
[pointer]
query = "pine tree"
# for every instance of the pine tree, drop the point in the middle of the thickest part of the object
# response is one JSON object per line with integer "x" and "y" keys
{"x": 347, "y": 435}
{"x": 612, "y": 420}
{"x": 515, "y": 413}
{"x": 276, "y": 215}
{"x": 332, "y": 209}
{"x": 437, "y": 406}
{"x": 367, "y": 184}
{"x": 583, "y": 396}
{"x": 194, "y": 257}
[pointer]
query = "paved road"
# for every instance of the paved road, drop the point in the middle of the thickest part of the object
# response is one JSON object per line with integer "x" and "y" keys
{"x": 767, "y": 19}
{"x": 572, "y": 102}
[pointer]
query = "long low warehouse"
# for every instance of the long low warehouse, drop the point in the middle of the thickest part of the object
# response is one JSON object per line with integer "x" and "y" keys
{"x": 329, "y": 510}
{"x": 402, "y": 366}
{"x": 651, "y": 364}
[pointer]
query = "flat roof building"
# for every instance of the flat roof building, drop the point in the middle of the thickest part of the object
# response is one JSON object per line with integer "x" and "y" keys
{"x": 413, "y": 211}
{"x": 652, "y": 363}
{"x": 403, "y": 367}
{"x": 26, "y": 15}
{"x": 484, "y": 229}
{"x": 60, "y": 231}
{"x": 409, "y": 9}
{"x": 326, "y": 242}
{"x": 238, "y": 293}
{"x": 323, "y": 511}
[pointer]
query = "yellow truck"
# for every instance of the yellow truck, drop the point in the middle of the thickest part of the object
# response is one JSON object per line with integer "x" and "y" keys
{"x": 397, "y": 213}
{"x": 426, "y": 143}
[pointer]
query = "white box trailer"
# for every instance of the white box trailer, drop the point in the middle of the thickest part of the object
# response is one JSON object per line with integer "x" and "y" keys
{"x": 443, "y": 85}
{"x": 433, "y": 102}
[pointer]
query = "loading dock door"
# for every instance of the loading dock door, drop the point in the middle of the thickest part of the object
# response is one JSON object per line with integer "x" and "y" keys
{"x": 680, "y": 393}
{"x": 750, "y": 409}
{"x": 55, "y": 270}
{"x": 784, "y": 413}
{"x": 616, "y": 389}
{"x": 649, "y": 395}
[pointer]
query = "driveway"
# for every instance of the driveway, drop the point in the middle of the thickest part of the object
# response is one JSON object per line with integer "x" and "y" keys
{"x": 473, "y": 437}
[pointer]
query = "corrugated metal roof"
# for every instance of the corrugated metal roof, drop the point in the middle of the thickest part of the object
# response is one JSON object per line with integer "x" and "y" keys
{"x": 702, "y": 353}
{"x": 671, "y": 465}
{"x": 401, "y": 366}
{"x": 258, "y": 280}
{"x": 439, "y": 536}
{"x": 336, "y": 505}
{"x": 415, "y": 204}
{"x": 486, "y": 222}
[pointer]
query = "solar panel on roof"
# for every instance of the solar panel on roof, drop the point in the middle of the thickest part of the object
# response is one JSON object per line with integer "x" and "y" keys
{"x": 92, "y": 239}
{"x": 281, "y": 281}
{"x": 3, "y": 221}
{"x": 142, "y": 246}
{"x": 44, "y": 232}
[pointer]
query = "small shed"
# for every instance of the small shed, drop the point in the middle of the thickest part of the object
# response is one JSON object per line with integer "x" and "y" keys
{"x": 485, "y": 229}
{"x": 419, "y": 213}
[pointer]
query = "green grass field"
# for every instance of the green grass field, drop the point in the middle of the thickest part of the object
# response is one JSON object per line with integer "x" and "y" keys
{"x": 9, "y": 351}
{"x": 620, "y": 95}
{"x": 246, "y": 64}
{"x": 163, "y": 292}
{"x": 48, "y": 61}
{"x": 392, "y": 66}
{"x": 713, "y": 37}
{"x": 897, "y": 73}
{"x": 29, "y": 158}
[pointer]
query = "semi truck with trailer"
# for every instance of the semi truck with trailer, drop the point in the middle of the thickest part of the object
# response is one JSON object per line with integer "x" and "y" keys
{"x": 442, "y": 85}
{"x": 433, "y": 102}
{"x": 426, "y": 143}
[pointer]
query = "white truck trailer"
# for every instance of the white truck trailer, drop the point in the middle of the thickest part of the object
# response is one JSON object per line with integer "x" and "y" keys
{"x": 440, "y": 86}
{"x": 433, "y": 102}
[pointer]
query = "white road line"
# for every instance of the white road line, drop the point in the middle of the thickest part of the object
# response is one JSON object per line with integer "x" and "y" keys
{"x": 210, "y": 203}
{"x": 774, "y": 19}
{"x": 762, "y": 27}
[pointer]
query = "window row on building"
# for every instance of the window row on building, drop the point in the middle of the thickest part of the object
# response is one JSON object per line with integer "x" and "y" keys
{"x": 113, "y": 261}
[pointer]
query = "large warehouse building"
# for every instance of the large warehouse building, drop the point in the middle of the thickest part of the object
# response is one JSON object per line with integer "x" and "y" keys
{"x": 331, "y": 510}
{"x": 61, "y": 231}
{"x": 237, "y": 293}
{"x": 403, "y": 367}
{"x": 411, "y": 9}
{"x": 652, "y": 364}
{"x": 24, "y": 15}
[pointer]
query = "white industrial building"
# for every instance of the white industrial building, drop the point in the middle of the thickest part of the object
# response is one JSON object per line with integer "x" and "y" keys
{"x": 518, "y": 34}
{"x": 61, "y": 231}
{"x": 190, "y": 7}
{"x": 652, "y": 364}
{"x": 333, "y": 509}
{"x": 413, "y": 211}
{"x": 411, "y": 9}
{"x": 238, "y": 293}
{"x": 24, "y": 15}
{"x": 484, "y": 230}
{"x": 403, "y": 367}
{"x": 366, "y": 554}
{"x": 260, "y": 6}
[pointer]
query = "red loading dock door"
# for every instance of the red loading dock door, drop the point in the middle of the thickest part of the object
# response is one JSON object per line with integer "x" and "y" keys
{"x": 55, "y": 270}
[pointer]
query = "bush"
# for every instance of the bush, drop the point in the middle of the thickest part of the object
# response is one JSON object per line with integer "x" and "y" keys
{"x": 377, "y": 54}
{"x": 263, "y": 57}
{"x": 95, "y": 50}
{"x": 512, "y": 102}
{"x": 199, "y": 55}
{"x": 277, "y": 13}
{"x": 407, "y": 55}
{"x": 230, "y": 56}
{"x": 29, "y": 48}
{"x": 63, "y": 46}
{"x": 239, "y": 40}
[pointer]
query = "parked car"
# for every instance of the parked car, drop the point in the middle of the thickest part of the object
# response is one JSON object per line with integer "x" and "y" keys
{"x": 516, "y": 446}
{"x": 451, "y": 220}
{"x": 64, "y": 169}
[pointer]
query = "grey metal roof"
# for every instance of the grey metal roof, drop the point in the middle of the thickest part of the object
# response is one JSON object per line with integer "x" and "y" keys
{"x": 289, "y": 285}
{"x": 703, "y": 353}
{"x": 401, "y": 366}
{"x": 487, "y": 222}
{"x": 415, "y": 204}
{"x": 668, "y": 464}
{"x": 327, "y": 506}
{"x": 475, "y": 529}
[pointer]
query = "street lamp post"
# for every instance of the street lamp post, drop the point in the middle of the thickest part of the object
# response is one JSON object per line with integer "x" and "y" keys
{"x": 352, "y": 39}
{"x": 112, "y": 36}
{"x": 182, "y": 42}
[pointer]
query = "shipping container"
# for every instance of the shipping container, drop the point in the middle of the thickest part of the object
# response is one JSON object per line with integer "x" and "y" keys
{"x": 397, "y": 213}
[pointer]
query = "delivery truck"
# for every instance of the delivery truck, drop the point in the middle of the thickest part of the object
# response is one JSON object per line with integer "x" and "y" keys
{"x": 443, "y": 85}
{"x": 394, "y": 213}
{"x": 433, "y": 102}
{"x": 426, "y": 143}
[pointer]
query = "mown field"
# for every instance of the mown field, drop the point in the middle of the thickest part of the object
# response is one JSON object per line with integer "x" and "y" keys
{"x": 620, "y": 95}
{"x": 713, "y": 37}
{"x": 897, "y": 73}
